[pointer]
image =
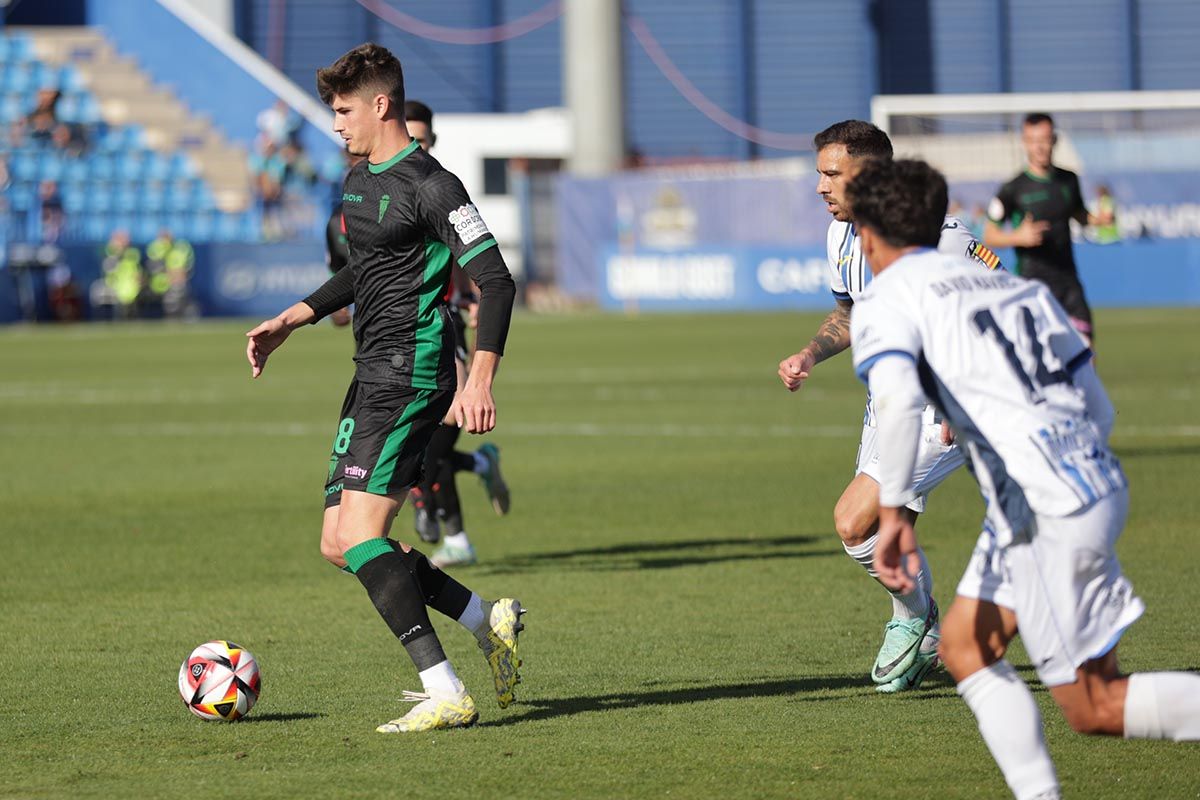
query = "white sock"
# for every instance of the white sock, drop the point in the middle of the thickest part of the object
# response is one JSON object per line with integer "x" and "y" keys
{"x": 481, "y": 463}
{"x": 915, "y": 604}
{"x": 1011, "y": 726}
{"x": 440, "y": 679}
{"x": 475, "y": 616}
{"x": 458, "y": 540}
{"x": 1163, "y": 705}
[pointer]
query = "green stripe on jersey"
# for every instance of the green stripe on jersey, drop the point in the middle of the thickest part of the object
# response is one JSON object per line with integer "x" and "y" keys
{"x": 394, "y": 160}
{"x": 393, "y": 446}
{"x": 430, "y": 322}
{"x": 474, "y": 251}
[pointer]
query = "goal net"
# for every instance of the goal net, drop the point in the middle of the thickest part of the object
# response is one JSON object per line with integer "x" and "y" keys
{"x": 976, "y": 137}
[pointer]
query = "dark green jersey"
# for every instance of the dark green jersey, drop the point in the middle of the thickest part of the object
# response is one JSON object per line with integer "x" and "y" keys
{"x": 405, "y": 219}
{"x": 1054, "y": 199}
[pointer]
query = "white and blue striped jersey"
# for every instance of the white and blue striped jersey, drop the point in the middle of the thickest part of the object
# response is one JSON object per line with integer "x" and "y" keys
{"x": 997, "y": 354}
{"x": 849, "y": 273}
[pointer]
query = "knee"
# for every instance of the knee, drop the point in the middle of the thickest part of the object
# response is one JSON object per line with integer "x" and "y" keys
{"x": 1085, "y": 718}
{"x": 331, "y": 552}
{"x": 1099, "y": 712}
{"x": 963, "y": 652}
{"x": 852, "y": 527}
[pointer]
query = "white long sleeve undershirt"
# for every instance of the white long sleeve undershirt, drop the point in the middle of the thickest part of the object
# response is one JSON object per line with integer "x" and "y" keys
{"x": 899, "y": 401}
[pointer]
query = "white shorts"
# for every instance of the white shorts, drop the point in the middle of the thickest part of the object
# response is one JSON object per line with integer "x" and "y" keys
{"x": 935, "y": 461}
{"x": 1063, "y": 581}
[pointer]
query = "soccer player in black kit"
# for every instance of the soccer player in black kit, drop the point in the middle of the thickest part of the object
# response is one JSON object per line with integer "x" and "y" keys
{"x": 406, "y": 219}
{"x": 435, "y": 500}
{"x": 1039, "y": 204}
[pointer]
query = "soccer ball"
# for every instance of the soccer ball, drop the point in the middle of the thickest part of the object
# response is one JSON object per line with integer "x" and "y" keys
{"x": 219, "y": 680}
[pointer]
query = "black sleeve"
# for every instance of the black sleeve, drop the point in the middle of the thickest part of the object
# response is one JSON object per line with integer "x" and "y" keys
{"x": 337, "y": 246}
{"x": 335, "y": 293}
{"x": 448, "y": 213}
{"x": 1001, "y": 209}
{"x": 1078, "y": 208}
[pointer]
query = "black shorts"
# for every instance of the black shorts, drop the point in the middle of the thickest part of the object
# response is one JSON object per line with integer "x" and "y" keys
{"x": 380, "y": 441}
{"x": 1068, "y": 291}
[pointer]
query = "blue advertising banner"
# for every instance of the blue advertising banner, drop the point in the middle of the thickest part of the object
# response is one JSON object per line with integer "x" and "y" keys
{"x": 765, "y": 278}
{"x": 247, "y": 280}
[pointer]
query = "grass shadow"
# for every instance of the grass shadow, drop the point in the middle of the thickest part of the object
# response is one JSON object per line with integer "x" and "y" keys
{"x": 1157, "y": 451}
{"x": 825, "y": 687}
{"x": 280, "y": 716}
{"x": 666, "y": 555}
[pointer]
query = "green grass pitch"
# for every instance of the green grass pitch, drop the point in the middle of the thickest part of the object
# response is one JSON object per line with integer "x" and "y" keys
{"x": 694, "y": 628}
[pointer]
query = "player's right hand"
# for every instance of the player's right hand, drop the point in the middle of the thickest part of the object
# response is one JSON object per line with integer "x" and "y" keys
{"x": 896, "y": 560}
{"x": 1030, "y": 232}
{"x": 794, "y": 369}
{"x": 264, "y": 340}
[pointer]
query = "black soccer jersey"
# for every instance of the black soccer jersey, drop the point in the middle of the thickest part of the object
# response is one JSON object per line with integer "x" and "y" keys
{"x": 405, "y": 220}
{"x": 1054, "y": 199}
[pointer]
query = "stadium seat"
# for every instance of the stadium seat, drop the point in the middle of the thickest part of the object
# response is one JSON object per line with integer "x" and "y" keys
{"x": 99, "y": 199}
{"x": 101, "y": 167}
{"x": 95, "y": 227}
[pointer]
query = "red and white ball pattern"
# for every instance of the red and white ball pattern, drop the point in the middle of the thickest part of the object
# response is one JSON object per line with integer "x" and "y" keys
{"x": 219, "y": 680}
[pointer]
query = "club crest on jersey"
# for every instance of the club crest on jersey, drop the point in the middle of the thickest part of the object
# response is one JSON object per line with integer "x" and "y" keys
{"x": 383, "y": 206}
{"x": 467, "y": 222}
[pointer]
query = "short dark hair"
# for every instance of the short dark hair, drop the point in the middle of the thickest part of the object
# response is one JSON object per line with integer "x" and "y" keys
{"x": 903, "y": 201}
{"x": 416, "y": 111}
{"x": 367, "y": 69}
{"x": 861, "y": 138}
{"x": 1037, "y": 118}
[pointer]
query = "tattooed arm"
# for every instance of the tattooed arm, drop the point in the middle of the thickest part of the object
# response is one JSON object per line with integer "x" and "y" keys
{"x": 832, "y": 338}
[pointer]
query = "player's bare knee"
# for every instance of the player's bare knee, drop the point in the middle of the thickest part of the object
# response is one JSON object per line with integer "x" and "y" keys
{"x": 852, "y": 526}
{"x": 330, "y": 551}
{"x": 1087, "y": 718}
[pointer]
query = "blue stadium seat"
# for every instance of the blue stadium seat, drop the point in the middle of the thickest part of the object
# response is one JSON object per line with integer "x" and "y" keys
{"x": 51, "y": 166}
{"x": 74, "y": 199}
{"x": 128, "y": 166}
{"x": 16, "y": 48}
{"x": 152, "y": 199}
{"x": 77, "y": 170}
{"x": 181, "y": 166}
{"x": 89, "y": 111}
{"x": 17, "y": 79}
{"x": 22, "y": 196}
{"x": 70, "y": 81}
{"x": 127, "y": 201}
{"x": 11, "y": 109}
{"x": 24, "y": 166}
{"x": 196, "y": 227}
{"x": 156, "y": 167}
{"x": 101, "y": 167}
{"x": 96, "y": 227}
{"x": 99, "y": 199}
{"x": 146, "y": 228}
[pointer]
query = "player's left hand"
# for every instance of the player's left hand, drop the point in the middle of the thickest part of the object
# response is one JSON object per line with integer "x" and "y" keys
{"x": 947, "y": 434}
{"x": 264, "y": 340}
{"x": 474, "y": 409}
{"x": 896, "y": 559}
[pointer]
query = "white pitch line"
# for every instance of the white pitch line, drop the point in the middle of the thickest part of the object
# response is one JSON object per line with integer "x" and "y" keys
{"x": 516, "y": 429}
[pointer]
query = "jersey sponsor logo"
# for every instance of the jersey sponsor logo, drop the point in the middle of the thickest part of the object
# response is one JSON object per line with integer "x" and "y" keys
{"x": 355, "y": 472}
{"x": 983, "y": 255}
{"x": 352, "y": 198}
{"x": 467, "y": 222}
{"x": 383, "y": 206}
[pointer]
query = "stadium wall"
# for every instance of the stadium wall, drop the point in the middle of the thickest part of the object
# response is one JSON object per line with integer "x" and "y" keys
{"x": 785, "y": 66}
